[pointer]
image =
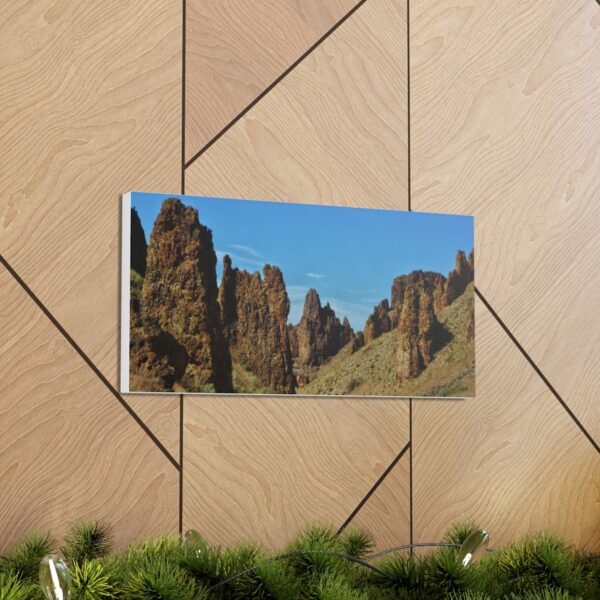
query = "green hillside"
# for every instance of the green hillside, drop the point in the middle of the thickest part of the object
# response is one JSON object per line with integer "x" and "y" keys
{"x": 372, "y": 370}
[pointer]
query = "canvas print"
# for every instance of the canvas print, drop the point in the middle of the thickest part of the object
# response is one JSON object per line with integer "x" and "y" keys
{"x": 253, "y": 297}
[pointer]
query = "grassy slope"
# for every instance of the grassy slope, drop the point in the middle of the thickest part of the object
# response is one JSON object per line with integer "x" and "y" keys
{"x": 372, "y": 370}
{"x": 246, "y": 382}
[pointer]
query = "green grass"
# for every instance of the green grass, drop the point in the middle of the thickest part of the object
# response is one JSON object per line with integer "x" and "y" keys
{"x": 246, "y": 382}
{"x": 372, "y": 370}
{"x": 538, "y": 567}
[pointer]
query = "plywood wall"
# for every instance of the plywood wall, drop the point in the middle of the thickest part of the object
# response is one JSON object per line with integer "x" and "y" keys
{"x": 433, "y": 105}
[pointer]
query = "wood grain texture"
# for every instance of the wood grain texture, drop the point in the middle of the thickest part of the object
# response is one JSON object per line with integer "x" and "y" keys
{"x": 236, "y": 49}
{"x": 506, "y": 126}
{"x": 511, "y": 460}
{"x": 263, "y": 468}
{"x": 334, "y": 130}
{"x": 68, "y": 449}
{"x": 90, "y": 107}
{"x": 161, "y": 415}
{"x": 386, "y": 514}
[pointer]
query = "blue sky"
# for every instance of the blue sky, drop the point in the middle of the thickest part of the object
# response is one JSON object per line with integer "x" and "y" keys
{"x": 349, "y": 255}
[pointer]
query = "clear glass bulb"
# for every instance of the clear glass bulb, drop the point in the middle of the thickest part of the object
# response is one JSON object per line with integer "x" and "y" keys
{"x": 192, "y": 538}
{"x": 55, "y": 578}
{"x": 474, "y": 547}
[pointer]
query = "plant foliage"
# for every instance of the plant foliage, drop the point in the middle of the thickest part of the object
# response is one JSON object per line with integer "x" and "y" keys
{"x": 313, "y": 566}
{"x": 87, "y": 540}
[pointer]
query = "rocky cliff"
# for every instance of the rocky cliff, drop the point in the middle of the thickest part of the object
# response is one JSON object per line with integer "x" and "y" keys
{"x": 416, "y": 300}
{"x": 420, "y": 334}
{"x": 137, "y": 244}
{"x": 320, "y": 334}
{"x": 179, "y": 296}
{"x": 427, "y": 280}
{"x": 254, "y": 314}
{"x": 378, "y": 323}
{"x": 458, "y": 279}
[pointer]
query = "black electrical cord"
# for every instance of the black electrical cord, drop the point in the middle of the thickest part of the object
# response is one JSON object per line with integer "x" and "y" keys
{"x": 348, "y": 557}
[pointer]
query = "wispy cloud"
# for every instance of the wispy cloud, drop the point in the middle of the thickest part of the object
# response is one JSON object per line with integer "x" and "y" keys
{"x": 239, "y": 260}
{"x": 315, "y": 275}
{"x": 297, "y": 292}
{"x": 246, "y": 250}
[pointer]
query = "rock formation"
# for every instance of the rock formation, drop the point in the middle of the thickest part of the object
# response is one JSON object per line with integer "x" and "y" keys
{"x": 458, "y": 279}
{"x": 379, "y": 322}
{"x": 254, "y": 314}
{"x": 179, "y": 296}
{"x": 156, "y": 360}
{"x": 409, "y": 359}
{"x": 138, "y": 244}
{"x": 427, "y": 280}
{"x": 420, "y": 334}
{"x": 357, "y": 342}
{"x": 320, "y": 334}
{"x": 444, "y": 290}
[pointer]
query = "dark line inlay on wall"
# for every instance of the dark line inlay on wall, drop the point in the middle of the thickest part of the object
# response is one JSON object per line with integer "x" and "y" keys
{"x": 374, "y": 487}
{"x": 89, "y": 362}
{"x": 272, "y": 85}
{"x": 538, "y": 371}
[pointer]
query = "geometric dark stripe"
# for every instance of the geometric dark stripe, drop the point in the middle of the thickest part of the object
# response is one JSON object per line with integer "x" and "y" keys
{"x": 374, "y": 487}
{"x": 86, "y": 358}
{"x": 538, "y": 371}
{"x": 273, "y": 84}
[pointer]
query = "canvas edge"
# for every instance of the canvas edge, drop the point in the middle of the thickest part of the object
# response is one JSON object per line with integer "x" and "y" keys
{"x": 125, "y": 291}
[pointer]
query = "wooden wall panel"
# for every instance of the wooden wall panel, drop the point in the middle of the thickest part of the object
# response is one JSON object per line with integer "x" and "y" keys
{"x": 386, "y": 514}
{"x": 90, "y": 107}
{"x": 506, "y": 125}
{"x": 262, "y": 468}
{"x": 511, "y": 459}
{"x": 161, "y": 415}
{"x": 68, "y": 449}
{"x": 334, "y": 130}
{"x": 237, "y": 49}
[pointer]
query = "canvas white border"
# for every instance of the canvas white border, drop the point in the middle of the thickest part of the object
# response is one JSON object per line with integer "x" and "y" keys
{"x": 125, "y": 289}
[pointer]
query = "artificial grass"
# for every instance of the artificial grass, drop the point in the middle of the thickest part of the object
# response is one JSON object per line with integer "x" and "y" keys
{"x": 314, "y": 566}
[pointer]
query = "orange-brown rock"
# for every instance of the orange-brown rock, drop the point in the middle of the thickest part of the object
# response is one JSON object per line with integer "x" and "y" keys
{"x": 156, "y": 360}
{"x": 420, "y": 334}
{"x": 320, "y": 334}
{"x": 357, "y": 342}
{"x": 427, "y": 280}
{"x": 254, "y": 313}
{"x": 409, "y": 359}
{"x": 179, "y": 296}
{"x": 378, "y": 323}
{"x": 459, "y": 278}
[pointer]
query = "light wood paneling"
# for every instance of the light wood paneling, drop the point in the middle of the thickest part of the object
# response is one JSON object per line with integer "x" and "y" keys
{"x": 334, "y": 130}
{"x": 262, "y": 468}
{"x": 511, "y": 459}
{"x": 68, "y": 449}
{"x": 386, "y": 514}
{"x": 161, "y": 415}
{"x": 506, "y": 126}
{"x": 90, "y": 107}
{"x": 237, "y": 49}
